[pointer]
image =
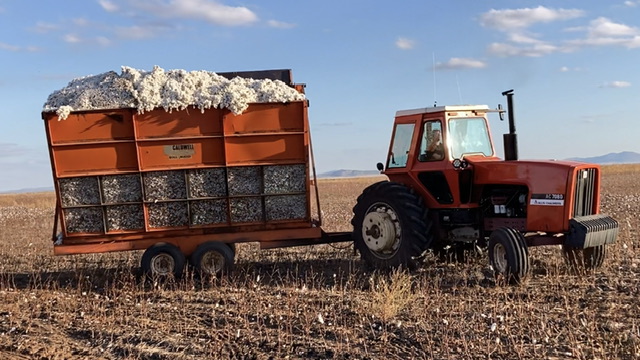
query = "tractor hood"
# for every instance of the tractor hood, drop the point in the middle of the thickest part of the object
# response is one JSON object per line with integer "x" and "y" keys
{"x": 563, "y": 196}
{"x": 540, "y": 176}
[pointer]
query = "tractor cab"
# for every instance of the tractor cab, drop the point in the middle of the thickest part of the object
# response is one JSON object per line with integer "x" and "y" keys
{"x": 439, "y": 134}
{"x": 430, "y": 146}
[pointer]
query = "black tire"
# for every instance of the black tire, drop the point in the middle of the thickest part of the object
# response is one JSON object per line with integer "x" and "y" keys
{"x": 589, "y": 258}
{"x": 390, "y": 226}
{"x": 163, "y": 260}
{"x": 509, "y": 255}
{"x": 213, "y": 259}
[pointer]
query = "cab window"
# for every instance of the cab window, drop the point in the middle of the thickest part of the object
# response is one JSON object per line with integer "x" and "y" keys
{"x": 469, "y": 136}
{"x": 400, "y": 147}
{"x": 431, "y": 143}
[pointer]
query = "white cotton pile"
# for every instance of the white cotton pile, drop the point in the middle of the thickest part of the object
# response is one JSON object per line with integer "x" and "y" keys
{"x": 171, "y": 90}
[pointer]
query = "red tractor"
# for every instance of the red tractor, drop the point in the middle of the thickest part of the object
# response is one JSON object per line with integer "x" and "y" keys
{"x": 447, "y": 188}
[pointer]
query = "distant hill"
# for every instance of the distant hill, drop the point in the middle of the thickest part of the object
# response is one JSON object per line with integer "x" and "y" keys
{"x": 348, "y": 173}
{"x": 625, "y": 157}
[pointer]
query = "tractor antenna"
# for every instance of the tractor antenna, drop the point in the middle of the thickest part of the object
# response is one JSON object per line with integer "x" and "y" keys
{"x": 435, "y": 102}
{"x": 459, "y": 92}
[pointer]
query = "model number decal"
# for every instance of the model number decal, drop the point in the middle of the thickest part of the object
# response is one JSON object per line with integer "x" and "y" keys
{"x": 547, "y": 199}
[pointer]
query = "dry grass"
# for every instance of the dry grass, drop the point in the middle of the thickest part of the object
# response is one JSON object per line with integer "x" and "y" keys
{"x": 390, "y": 294}
{"x": 315, "y": 302}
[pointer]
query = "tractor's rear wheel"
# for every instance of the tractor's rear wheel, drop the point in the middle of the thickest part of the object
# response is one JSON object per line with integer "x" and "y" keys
{"x": 590, "y": 258}
{"x": 390, "y": 226}
{"x": 509, "y": 255}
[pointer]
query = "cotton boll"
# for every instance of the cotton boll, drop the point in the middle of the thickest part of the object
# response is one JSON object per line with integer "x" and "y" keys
{"x": 238, "y": 95}
{"x": 149, "y": 90}
{"x": 63, "y": 112}
{"x": 104, "y": 91}
{"x": 171, "y": 90}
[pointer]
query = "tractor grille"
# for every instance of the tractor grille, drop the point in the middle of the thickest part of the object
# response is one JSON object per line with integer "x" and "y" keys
{"x": 585, "y": 192}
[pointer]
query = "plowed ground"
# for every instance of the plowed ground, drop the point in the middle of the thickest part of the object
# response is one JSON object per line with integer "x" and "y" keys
{"x": 316, "y": 302}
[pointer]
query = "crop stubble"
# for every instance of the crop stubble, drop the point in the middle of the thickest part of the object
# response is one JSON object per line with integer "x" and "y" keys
{"x": 315, "y": 302}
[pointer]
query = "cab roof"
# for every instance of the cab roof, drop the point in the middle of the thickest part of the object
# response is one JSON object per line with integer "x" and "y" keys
{"x": 436, "y": 109}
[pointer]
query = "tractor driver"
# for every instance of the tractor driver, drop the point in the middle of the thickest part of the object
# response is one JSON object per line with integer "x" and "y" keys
{"x": 435, "y": 151}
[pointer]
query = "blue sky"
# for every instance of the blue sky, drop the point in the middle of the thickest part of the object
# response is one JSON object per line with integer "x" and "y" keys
{"x": 574, "y": 66}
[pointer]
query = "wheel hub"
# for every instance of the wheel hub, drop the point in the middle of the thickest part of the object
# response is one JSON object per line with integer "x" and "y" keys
{"x": 212, "y": 262}
{"x": 162, "y": 264}
{"x": 379, "y": 232}
{"x": 500, "y": 258}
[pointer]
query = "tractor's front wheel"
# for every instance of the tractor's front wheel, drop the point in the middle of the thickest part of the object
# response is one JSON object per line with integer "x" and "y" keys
{"x": 390, "y": 226}
{"x": 509, "y": 255}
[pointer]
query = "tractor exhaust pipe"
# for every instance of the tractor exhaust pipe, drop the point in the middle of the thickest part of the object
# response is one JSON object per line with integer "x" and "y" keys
{"x": 511, "y": 139}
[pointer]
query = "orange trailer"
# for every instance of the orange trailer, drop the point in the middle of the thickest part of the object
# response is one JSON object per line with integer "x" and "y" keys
{"x": 185, "y": 184}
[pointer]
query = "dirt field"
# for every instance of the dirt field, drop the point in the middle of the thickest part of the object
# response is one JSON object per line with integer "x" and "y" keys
{"x": 316, "y": 302}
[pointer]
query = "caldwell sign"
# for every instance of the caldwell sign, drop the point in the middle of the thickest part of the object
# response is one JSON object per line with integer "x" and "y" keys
{"x": 179, "y": 151}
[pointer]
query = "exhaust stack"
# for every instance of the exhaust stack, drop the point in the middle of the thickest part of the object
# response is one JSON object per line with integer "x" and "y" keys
{"x": 511, "y": 139}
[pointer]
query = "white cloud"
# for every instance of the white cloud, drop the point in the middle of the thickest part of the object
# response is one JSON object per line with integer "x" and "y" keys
{"x": 103, "y": 41}
{"x": 404, "y": 43}
{"x": 335, "y": 124}
{"x": 140, "y": 31}
{"x": 42, "y": 27}
{"x": 109, "y": 5}
{"x": 136, "y": 32}
{"x": 12, "y": 48}
{"x": 630, "y": 3}
{"x": 521, "y": 38}
{"x": 80, "y": 21}
{"x": 461, "y": 63}
{"x": 570, "y": 69}
{"x": 150, "y": 18}
{"x": 515, "y": 23}
{"x": 11, "y": 150}
{"x": 514, "y": 19}
{"x": 616, "y": 84}
{"x": 75, "y": 39}
{"x": 15, "y": 48}
{"x": 535, "y": 50}
{"x": 72, "y": 38}
{"x": 604, "y": 27}
{"x": 604, "y": 32}
{"x": 280, "y": 25}
{"x": 207, "y": 10}
{"x": 521, "y": 42}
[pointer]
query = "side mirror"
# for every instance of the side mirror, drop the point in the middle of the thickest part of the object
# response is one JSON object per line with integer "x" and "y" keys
{"x": 379, "y": 166}
{"x": 500, "y": 112}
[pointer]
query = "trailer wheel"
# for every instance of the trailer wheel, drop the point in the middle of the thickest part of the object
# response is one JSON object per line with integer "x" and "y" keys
{"x": 509, "y": 255}
{"x": 163, "y": 260}
{"x": 390, "y": 226}
{"x": 590, "y": 258}
{"x": 213, "y": 258}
